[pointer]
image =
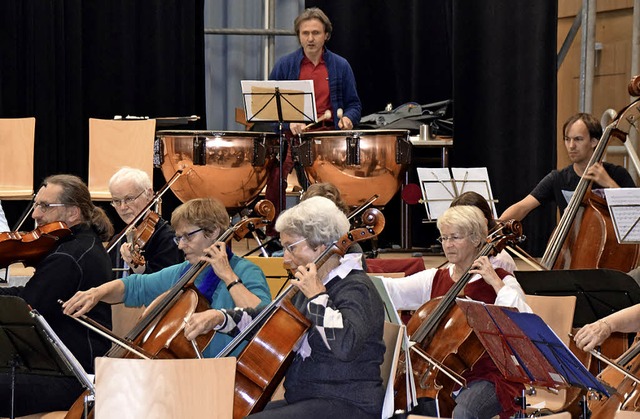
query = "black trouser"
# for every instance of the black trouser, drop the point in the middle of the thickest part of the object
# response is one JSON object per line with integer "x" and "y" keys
{"x": 312, "y": 409}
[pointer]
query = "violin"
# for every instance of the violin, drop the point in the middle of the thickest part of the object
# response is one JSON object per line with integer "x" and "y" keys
{"x": 30, "y": 248}
{"x": 442, "y": 336}
{"x": 263, "y": 362}
{"x": 139, "y": 236}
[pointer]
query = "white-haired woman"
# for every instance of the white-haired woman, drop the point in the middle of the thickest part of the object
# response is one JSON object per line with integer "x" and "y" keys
{"x": 336, "y": 369}
{"x": 463, "y": 231}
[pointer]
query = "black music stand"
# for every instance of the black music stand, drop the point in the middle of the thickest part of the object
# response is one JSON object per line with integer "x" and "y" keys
{"x": 28, "y": 345}
{"x": 599, "y": 292}
{"x": 281, "y": 101}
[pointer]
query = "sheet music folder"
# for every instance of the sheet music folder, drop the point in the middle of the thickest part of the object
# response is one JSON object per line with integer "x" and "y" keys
{"x": 599, "y": 292}
{"x": 555, "y": 352}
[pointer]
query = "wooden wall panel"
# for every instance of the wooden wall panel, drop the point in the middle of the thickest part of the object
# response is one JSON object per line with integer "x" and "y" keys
{"x": 613, "y": 64}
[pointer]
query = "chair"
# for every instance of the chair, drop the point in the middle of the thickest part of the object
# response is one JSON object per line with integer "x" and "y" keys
{"x": 164, "y": 388}
{"x": 274, "y": 270}
{"x": 407, "y": 265}
{"x": 392, "y": 336}
{"x": 557, "y": 312}
{"x": 16, "y": 160}
{"x": 624, "y": 414}
{"x": 115, "y": 143}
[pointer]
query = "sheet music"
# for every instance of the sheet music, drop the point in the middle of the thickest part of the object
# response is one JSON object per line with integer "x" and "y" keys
{"x": 440, "y": 186}
{"x": 297, "y": 96}
{"x": 624, "y": 207}
{"x": 438, "y": 190}
{"x": 475, "y": 179}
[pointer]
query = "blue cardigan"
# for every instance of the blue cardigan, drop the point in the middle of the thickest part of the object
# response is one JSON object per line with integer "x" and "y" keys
{"x": 142, "y": 289}
{"x": 342, "y": 83}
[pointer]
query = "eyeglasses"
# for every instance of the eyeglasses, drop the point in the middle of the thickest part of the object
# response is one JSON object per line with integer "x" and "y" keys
{"x": 185, "y": 237}
{"x": 291, "y": 247}
{"x": 125, "y": 201}
{"x": 454, "y": 239}
{"x": 44, "y": 207}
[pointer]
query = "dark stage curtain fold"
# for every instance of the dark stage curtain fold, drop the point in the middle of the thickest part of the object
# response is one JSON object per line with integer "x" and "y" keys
{"x": 64, "y": 62}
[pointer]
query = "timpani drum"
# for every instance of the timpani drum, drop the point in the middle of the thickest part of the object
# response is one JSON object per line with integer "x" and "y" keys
{"x": 359, "y": 163}
{"x": 227, "y": 165}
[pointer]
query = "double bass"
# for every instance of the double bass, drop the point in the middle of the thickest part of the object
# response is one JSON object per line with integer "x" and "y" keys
{"x": 585, "y": 236}
{"x": 262, "y": 364}
{"x": 445, "y": 346}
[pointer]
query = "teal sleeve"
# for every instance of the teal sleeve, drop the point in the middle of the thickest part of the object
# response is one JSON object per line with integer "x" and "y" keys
{"x": 142, "y": 289}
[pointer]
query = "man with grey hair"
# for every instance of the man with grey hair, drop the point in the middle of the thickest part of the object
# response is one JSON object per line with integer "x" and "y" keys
{"x": 131, "y": 192}
{"x": 336, "y": 367}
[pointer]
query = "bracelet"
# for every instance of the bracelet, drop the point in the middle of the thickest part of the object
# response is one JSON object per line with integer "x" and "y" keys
{"x": 231, "y": 284}
{"x": 607, "y": 324}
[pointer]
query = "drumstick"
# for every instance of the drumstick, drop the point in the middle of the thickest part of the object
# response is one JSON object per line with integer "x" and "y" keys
{"x": 339, "y": 113}
{"x": 327, "y": 115}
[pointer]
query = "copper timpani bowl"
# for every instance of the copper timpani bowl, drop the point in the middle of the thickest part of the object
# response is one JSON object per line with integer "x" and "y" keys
{"x": 227, "y": 165}
{"x": 359, "y": 163}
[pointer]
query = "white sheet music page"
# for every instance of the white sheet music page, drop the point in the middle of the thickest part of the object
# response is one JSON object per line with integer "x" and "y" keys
{"x": 624, "y": 207}
{"x": 438, "y": 190}
{"x": 475, "y": 179}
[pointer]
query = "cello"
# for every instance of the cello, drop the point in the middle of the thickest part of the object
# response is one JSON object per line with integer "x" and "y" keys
{"x": 445, "y": 346}
{"x": 622, "y": 376}
{"x": 160, "y": 331}
{"x": 585, "y": 236}
{"x": 262, "y": 364}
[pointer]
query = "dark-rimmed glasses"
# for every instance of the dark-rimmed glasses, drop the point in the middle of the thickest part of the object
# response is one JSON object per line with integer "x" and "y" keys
{"x": 185, "y": 237}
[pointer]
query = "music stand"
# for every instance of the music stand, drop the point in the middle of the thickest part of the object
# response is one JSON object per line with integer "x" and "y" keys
{"x": 279, "y": 101}
{"x": 624, "y": 207}
{"x": 28, "y": 345}
{"x": 440, "y": 186}
{"x": 555, "y": 351}
{"x": 599, "y": 292}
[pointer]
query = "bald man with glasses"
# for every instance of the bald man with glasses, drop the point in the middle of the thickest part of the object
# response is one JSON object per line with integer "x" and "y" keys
{"x": 131, "y": 192}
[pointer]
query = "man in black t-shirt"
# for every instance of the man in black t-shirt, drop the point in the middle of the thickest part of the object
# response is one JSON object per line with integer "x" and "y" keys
{"x": 581, "y": 135}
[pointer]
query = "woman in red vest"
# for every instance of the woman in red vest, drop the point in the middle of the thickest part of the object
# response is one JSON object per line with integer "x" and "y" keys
{"x": 463, "y": 232}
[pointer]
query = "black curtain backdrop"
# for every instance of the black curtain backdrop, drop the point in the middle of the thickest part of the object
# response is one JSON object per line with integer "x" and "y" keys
{"x": 495, "y": 59}
{"x": 64, "y": 62}
{"x": 504, "y": 72}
